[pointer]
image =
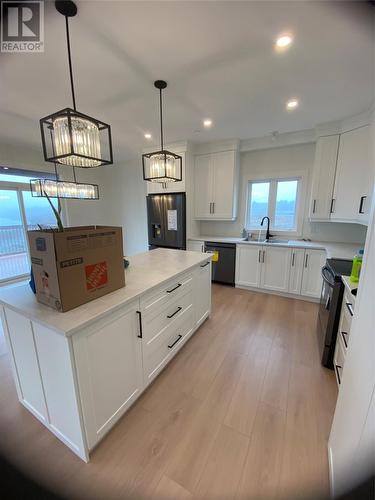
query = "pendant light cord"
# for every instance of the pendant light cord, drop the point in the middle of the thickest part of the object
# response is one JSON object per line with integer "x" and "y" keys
{"x": 70, "y": 62}
{"x": 161, "y": 120}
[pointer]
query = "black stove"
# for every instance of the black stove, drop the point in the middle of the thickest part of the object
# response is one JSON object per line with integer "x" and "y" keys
{"x": 339, "y": 267}
{"x": 330, "y": 306}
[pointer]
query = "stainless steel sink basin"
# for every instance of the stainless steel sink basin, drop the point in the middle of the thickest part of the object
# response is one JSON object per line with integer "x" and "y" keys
{"x": 275, "y": 241}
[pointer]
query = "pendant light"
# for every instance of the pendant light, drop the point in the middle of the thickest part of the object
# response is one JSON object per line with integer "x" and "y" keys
{"x": 75, "y": 139}
{"x": 55, "y": 188}
{"x": 162, "y": 166}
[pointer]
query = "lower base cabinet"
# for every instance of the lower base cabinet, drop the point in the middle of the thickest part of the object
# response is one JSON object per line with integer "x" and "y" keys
{"x": 313, "y": 262}
{"x": 80, "y": 385}
{"x": 280, "y": 269}
{"x": 202, "y": 297}
{"x": 275, "y": 268}
{"x": 108, "y": 358}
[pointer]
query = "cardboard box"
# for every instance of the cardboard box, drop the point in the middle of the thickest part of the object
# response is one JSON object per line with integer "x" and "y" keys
{"x": 77, "y": 265}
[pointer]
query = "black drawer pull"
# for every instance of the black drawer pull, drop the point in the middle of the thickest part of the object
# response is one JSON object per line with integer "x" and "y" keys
{"x": 344, "y": 339}
{"x": 350, "y": 308}
{"x": 314, "y": 207}
{"x": 175, "y": 288}
{"x": 360, "y": 211}
{"x": 178, "y": 310}
{"x": 204, "y": 265}
{"x": 175, "y": 342}
{"x": 337, "y": 372}
{"x": 140, "y": 325}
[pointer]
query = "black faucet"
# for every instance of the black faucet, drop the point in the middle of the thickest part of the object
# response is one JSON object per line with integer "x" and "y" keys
{"x": 268, "y": 235}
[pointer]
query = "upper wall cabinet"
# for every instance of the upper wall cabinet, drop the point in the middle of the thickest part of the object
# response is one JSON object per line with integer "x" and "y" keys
{"x": 216, "y": 186}
{"x": 354, "y": 177}
{"x": 324, "y": 177}
{"x": 343, "y": 177}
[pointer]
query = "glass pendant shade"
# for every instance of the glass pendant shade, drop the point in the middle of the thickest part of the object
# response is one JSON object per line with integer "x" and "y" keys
{"x": 162, "y": 166}
{"x": 72, "y": 138}
{"x": 85, "y": 139}
{"x": 63, "y": 189}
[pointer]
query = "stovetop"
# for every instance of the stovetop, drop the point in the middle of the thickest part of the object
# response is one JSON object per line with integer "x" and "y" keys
{"x": 339, "y": 267}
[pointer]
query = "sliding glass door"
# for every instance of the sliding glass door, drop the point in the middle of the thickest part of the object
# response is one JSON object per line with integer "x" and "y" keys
{"x": 19, "y": 212}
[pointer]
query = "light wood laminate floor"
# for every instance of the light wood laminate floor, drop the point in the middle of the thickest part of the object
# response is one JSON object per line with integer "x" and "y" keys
{"x": 243, "y": 411}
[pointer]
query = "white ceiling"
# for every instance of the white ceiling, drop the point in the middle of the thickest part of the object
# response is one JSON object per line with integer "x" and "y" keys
{"x": 219, "y": 61}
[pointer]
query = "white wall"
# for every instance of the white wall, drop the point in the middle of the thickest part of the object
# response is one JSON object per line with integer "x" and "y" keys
{"x": 122, "y": 194}
{"x": 280, "y": 161}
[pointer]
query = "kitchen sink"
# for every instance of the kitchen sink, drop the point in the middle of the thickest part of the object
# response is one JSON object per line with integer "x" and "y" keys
{"x": 275, "y": 241}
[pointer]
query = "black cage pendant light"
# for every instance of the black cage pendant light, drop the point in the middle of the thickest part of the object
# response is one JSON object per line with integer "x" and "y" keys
{"x": 162, "y": 166}
{"x": 68, "y": 136}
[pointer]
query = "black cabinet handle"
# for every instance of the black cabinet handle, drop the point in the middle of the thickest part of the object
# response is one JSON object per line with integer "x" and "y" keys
{"x": 293, "y": 257}
{"x": 175, "y": 288}
{"x": 140, "y": 325}
{"x": 337, "y": 367}
{"x": 361, "y": 205}
{"x": 175, "y": 342}
{"x": 350, "y": 308}
{"x": 264, "y": 254}
{"x": 344, "y": 339}
{"x": 204, "y": 265}
{"x": 332, "y": 203}
{"x": 314, "y": 206}
{"x": 306, "y": 259}
{"x": 260, "y": 251}
{"x": 213, "y": 207}
{"x": 177, "y": 311}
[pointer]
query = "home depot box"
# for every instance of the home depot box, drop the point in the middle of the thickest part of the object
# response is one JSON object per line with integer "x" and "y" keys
{"x": 76, "y": 265}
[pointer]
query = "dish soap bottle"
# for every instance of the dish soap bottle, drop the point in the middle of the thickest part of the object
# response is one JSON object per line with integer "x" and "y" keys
{"x": 356, "y": 267}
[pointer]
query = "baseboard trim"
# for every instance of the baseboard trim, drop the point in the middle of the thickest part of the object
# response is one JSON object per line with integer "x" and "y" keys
{"x": 281, "y": 294}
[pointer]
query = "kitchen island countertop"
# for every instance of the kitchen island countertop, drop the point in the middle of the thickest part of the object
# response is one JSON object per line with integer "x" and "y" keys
{"x": 146, "y": 271}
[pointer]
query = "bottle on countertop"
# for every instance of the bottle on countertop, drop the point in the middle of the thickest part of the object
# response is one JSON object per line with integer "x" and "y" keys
{"x": 356, "y": 267}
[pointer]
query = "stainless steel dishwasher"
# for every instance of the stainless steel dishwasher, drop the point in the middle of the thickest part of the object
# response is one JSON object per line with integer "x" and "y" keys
{"x": 223, "y": 261}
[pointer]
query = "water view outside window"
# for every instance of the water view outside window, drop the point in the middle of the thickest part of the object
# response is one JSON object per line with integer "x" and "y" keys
{"x": 14, "y": 259}
{"x": 285, "y": 211}
{"x": 277, "y": 199}
{"x": 258, "y": 206}
{"x": 14, "y": 256}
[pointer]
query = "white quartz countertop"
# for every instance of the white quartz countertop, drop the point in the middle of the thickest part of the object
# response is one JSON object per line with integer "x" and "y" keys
{"x": 145, "y": 272}
{"x": 334, "y": 250}
{"x": 349, "y": 285}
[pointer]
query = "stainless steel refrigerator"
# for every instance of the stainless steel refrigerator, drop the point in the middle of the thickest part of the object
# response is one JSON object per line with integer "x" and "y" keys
{"x": 166, "y": 220}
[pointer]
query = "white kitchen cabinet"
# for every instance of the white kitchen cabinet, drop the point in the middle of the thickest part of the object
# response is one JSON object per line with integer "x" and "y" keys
{"x": 108, "y": 357}
{"x": 296, "y": 270}
{"x": 248, "y": 265}
{"x": 195, "y": 246}
{"x": 351, "y": 193}
{"x": 216, "y": 186}
{"x": 170, "y": 187}
{"x": 202, "y": 295}
{"x": 312, "y": 279}
{"x": 324, "y": 177}
{"x": 275, "y": 268}
{"x": 25, "y": 363}
{"x": 203, "y": 192}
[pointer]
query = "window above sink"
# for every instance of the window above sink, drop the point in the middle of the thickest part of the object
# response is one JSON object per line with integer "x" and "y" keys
{"x": 279, "y": 198}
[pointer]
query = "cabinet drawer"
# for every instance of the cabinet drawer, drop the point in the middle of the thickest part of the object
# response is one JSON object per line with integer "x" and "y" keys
{"x": 153, "y": 326}
{"x": 161, "y": 349}
{"x": 154, "y": 302}
{"x": 338, "y": 361}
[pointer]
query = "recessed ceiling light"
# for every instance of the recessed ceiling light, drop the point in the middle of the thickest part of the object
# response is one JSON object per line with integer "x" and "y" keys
{"x": 292, "y": 104}
{"x": 207, "y": 123}
{"x": 6, "y": 168}
{"x": 284, "y": 41}
{"x": 148, "y": 136}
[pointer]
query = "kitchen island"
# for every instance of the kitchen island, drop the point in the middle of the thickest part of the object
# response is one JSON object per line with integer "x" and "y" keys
{"x": 79, "y": 371}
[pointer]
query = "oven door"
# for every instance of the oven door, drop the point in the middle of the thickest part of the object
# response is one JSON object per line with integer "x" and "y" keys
{"x": 325, "y": 306}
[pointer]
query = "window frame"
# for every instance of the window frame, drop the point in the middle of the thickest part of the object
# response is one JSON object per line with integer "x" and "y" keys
{"x": 273, "y": 179}
{"x": 19, "y": 187}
